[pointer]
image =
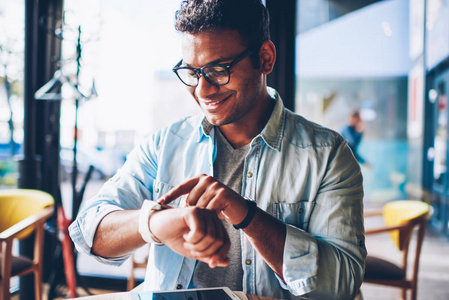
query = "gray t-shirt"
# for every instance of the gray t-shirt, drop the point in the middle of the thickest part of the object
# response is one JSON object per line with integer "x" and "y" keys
{"x": 228, "y": 169}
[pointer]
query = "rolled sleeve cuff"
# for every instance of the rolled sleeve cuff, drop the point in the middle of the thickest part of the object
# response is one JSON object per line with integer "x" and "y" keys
{"x": 82, "y": 232}
{"x": 300, "y": 262}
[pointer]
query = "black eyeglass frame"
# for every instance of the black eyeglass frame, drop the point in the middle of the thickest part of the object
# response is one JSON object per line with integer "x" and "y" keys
{"x": 198, "y": 71}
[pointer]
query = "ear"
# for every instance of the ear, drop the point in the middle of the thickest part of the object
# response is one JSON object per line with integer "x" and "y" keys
{"x": 267, "y": 55}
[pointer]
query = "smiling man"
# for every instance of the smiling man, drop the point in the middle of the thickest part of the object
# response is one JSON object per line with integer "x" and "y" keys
{"x": 247, "y": 195}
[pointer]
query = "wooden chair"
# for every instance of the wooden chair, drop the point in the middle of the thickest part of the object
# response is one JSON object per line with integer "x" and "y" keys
{"x": 22, "y": 212}
{"x": 402, "y": 219}
{"x": 137, "y": 262}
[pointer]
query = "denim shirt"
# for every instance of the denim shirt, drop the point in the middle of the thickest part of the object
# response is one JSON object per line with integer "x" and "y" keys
{"x": 299, "y": 172}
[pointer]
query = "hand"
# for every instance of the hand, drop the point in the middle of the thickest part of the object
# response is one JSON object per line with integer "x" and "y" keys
{"x": 193, "y": 232}
{"x": 206, "y": 192}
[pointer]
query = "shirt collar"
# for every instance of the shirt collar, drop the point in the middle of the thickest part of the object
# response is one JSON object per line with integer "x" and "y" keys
{"x": 274, "y": 129}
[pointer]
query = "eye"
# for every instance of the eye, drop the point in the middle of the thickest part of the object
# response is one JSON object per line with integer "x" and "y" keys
{"x": 190, "y": 72}
{"x": 215, "y": 71}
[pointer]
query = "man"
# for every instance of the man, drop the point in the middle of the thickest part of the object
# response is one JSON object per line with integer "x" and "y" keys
{"x": 291, "y": 188}
{"x": 353, "y": 133}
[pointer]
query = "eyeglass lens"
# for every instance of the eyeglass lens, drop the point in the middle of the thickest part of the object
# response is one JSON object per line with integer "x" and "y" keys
{"x": 216, "y": 75}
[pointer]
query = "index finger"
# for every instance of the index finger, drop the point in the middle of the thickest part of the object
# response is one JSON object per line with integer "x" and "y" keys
{"x": 176, "y": 192}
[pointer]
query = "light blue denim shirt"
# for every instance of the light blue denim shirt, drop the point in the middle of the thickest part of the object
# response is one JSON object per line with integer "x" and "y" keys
{"x": 299, "y": 172}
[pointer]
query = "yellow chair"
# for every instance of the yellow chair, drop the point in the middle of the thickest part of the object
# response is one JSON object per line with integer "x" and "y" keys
{"x": 402, "y": 219}
{"x": 22, "y": 212}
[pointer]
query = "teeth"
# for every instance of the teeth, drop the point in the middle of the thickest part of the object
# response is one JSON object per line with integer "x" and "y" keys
{"x": 213, "y": 103}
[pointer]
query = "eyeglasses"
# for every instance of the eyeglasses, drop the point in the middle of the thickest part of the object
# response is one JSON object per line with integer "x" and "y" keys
{"x": 214, "y": 74}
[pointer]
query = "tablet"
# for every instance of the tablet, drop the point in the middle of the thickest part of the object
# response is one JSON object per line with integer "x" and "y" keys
{"x": 221, "y": 293}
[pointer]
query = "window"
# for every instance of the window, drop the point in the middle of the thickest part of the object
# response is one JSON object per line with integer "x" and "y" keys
{"x": 11, "y": 88}
{"x": 354, "y": 56}
{"x": 128, "y": 49}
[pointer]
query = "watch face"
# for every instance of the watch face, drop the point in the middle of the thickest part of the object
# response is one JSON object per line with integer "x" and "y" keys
{"x": 160, "y": 206}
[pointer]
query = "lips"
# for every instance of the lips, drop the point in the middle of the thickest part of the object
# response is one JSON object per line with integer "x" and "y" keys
{"x": 213, "y": 105}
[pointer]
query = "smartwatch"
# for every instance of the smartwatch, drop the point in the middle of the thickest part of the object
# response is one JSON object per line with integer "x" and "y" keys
{"x": 148, "y": 209}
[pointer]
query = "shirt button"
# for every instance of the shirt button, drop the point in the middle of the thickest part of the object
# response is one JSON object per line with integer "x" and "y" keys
{"x": 250, "y": 174}
{"x": 179, "y": 286}
{"x": 157, "y": 190}
{"x": 300, "y": 210}
{"x": 248, "y": 262}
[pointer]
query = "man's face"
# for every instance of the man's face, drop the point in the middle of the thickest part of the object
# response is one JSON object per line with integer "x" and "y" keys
{"x": 228, "y": 103}
{"x": 355, "y": 120}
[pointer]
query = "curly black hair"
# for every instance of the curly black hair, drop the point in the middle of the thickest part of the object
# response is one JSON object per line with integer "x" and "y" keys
{"x": 249, "y": 17}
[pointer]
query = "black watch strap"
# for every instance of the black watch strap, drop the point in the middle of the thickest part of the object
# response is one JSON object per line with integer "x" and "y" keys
{"x": 249, "y": 216}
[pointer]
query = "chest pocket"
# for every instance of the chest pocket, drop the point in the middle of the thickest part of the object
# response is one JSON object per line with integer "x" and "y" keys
{"x": 296, "y": 214}
{"x": 160, "y": 189}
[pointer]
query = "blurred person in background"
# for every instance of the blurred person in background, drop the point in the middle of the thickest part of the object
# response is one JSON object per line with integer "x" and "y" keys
{"x": 353, "y": 133}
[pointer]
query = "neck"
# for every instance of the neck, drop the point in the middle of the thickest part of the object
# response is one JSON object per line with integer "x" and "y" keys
{"x": 241, "y": 133}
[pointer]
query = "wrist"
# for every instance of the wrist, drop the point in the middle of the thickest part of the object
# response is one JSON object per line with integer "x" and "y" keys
{"x": 252, "y": 206}
{"x": 146, "y": 212}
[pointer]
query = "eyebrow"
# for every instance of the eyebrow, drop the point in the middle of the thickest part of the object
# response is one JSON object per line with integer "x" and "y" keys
{"x": 214, "y": 62}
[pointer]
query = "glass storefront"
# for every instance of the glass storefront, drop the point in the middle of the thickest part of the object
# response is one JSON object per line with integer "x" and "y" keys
{"x": 11, "y": 88}
{"x": 353, "y": 58}
{"x": 128, "y": 52}
{"x": 436, "y": 165}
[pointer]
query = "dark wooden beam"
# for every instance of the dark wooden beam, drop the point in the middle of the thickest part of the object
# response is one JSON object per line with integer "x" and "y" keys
{"x": 283, "y": 35}
{"x": 39, "y": 164}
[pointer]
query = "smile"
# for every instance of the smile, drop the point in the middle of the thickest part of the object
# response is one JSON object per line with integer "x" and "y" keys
{"x": 213, "y": 105}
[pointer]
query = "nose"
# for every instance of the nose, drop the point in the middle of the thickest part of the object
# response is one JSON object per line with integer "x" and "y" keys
{"x": 204, "y": 88}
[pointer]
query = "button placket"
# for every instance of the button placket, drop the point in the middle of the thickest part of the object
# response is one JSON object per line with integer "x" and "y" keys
{"x": 251, "y": 171}
{"x": 249, "y": 190}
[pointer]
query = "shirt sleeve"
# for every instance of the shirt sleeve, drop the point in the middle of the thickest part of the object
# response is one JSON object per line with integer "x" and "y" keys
{"x": 327, "y": 260}
{"x": 127, "y": 189}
